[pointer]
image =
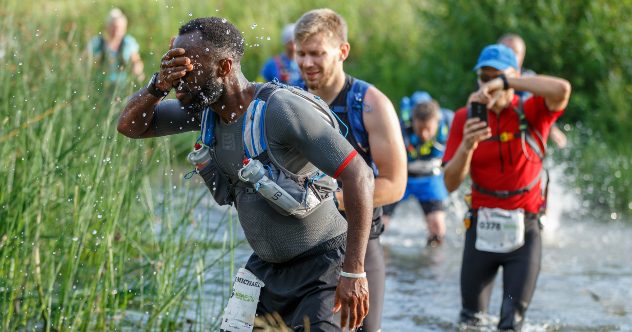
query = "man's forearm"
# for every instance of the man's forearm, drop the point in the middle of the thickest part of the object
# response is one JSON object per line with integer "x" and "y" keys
{"x": 457, "y": 168}
{"x": 136, "y": 118}
{"x": 555, "y": 90}
{"x": 358, "y": 199}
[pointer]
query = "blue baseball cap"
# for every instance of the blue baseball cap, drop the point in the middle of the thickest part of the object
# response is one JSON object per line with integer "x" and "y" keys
{"x": 497, "y": 56}
{"x": 420, "y": 97}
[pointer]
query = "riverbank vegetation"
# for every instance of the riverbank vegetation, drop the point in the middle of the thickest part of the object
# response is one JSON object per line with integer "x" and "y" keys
{"x": 98, "y": 231}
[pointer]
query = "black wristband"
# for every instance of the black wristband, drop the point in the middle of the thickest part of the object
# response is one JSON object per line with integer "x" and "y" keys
{"x": 153, "y": 90}
{"x": 505, "y": 83}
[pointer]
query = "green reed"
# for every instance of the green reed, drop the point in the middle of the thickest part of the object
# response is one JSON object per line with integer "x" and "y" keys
{"x": 97, "y": 231}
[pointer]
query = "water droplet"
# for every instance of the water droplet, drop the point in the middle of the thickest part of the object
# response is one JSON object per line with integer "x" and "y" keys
{"x": 253, "y": 26}
{"x": 75, "y": 239}
{"x": 190, "y": 14}
{"x": 206, "y": 49}
{"x": 94, "y": 232}
{"x": 99, "y": 216}
{"x": 144, "y": 115}
{"x": 227, "y": 31}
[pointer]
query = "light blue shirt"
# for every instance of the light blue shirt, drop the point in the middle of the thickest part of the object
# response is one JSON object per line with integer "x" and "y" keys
{"x": 129, "y": 46}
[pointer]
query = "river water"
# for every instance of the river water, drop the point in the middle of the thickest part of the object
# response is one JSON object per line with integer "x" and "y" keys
{"x": 585, "y": 282}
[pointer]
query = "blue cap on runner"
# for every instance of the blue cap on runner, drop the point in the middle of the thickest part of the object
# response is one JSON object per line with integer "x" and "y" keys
{"x": 497, "y": 56}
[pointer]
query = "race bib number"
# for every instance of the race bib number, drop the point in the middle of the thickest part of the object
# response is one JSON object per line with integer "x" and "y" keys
{"x": 239, "y": 314}
{"x": 499, "y": 230}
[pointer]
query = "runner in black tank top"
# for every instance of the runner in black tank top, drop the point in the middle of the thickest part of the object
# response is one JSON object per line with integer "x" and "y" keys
{"x": 320, "y": 38}
{"x": 374, "y": 259}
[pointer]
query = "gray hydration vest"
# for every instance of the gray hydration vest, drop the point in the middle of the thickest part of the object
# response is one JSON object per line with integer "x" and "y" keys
{"x": 276, "y": 184}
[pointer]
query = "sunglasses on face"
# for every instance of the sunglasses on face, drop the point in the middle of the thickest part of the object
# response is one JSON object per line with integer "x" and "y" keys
{"x": 485, "y": 78}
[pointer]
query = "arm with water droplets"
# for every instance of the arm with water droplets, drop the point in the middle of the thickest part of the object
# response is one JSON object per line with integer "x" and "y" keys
{"x": 138, "y": 117}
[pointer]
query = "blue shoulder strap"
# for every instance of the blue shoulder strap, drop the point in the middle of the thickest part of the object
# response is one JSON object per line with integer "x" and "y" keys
{"x": 444, "y": 125}
{"x": 354, "y": 107}
{"x": 207, "y": 135}
{"x": 253, "y": 131}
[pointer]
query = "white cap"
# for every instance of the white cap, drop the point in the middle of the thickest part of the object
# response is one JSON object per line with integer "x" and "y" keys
{"x": 288, "y": 33}
{"x": 115, "y": 14}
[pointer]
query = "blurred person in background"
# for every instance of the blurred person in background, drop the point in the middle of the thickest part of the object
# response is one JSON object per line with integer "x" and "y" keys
{"x": 282, "y": 67}
{"x": 115, "y": 51}
{"x": 425, "y": 137}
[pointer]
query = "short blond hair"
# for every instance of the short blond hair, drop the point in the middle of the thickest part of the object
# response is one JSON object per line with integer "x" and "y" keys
{"x": 319, "y": 21}
{"x": 114, "y": 15}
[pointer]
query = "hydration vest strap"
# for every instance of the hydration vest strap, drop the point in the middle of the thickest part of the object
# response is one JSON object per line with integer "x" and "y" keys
{"x": 526, "y": 135}
{"x": 254, "y": 129}
{"x": 354, "y": 105}
{"x": 208, "y": 127}
{"x": 506, "y": 193}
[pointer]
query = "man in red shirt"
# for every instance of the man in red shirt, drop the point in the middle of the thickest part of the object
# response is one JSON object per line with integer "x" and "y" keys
{"x": 503, "y": 156}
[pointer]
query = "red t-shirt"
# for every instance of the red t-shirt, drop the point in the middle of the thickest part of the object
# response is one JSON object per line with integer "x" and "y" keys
{"x": 503, "y": 165}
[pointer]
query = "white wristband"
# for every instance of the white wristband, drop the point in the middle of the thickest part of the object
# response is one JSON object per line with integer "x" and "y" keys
{"x": 353, "y": 275}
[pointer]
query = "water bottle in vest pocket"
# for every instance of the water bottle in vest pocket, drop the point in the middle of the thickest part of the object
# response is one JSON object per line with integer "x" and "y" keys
{"x": 206, "y": 167}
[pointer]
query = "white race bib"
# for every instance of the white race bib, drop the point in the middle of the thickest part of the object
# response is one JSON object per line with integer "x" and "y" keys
{"x": 499, "y": 230}
{"x": 239, "y": 314}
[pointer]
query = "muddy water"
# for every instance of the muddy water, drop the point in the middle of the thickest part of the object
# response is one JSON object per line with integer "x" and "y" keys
{"x": 585, "y": 283}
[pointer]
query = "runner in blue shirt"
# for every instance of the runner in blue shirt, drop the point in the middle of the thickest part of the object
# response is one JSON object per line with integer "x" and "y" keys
{"x": 282, "y": 66}
{"x": 425, "y": 136}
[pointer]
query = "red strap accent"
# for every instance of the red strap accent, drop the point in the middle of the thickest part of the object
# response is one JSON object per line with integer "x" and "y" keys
{"x": 345, "y": 163}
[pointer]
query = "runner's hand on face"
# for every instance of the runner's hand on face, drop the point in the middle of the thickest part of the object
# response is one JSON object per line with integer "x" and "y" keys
{"x": 352, "y": 300}
{"x": 491, "y": 92}
{"x": 173, "y": 66}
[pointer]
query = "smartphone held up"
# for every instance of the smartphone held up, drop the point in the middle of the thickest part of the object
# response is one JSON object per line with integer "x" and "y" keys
{"x": 478, "y": 110}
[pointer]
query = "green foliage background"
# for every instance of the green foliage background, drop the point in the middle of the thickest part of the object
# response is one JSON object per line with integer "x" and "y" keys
{"x": 76, "y": 199}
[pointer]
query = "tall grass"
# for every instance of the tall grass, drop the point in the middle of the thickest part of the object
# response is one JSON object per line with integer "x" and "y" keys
{"x": 98, "y": 232}
{"x": 94, "y": 227}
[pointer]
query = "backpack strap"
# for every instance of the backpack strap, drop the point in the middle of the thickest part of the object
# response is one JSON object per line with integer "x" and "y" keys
{"x": 525, "y": 132}
{"x": 120, "y": 54}
{"x": 354, "y": 107}
{"x": 254, "y": 129}
{"x": 207, "y": 135}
